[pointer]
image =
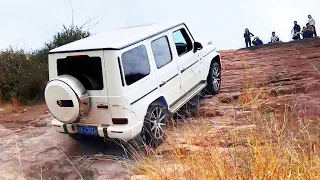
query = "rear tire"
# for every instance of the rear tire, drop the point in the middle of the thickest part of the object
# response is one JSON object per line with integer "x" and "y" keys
{"x": 155, "y": 124}
{"x": 214, "y": 78}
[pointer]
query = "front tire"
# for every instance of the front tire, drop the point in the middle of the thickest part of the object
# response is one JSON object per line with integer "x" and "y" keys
{"x": 214, "y": 78}
{"x": 155, "y": 124}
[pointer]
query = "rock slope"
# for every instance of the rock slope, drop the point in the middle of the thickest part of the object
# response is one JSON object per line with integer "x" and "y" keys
{"x": 283, "y": 72}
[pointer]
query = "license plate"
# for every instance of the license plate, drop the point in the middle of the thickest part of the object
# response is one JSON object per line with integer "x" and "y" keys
{"x": 88, "y": 130}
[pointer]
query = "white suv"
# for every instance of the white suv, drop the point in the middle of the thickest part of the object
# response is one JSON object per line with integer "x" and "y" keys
{"x": 128, "y": 82}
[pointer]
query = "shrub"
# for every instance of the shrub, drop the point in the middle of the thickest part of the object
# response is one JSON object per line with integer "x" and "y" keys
{"x": 20, "y": 75}
{"x": 67, "y": 35}
{"x": 23, "y": 74}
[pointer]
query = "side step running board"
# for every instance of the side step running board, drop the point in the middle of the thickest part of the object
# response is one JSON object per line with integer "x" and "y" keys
{"x": 187, "y": 97}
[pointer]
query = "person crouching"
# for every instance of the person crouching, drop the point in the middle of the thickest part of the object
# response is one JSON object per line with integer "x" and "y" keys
{"x": 256, "y": 41}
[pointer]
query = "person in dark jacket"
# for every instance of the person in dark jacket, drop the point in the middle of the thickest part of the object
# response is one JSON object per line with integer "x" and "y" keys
{"x": 296, "y": 31}
{"x": 308, "y": 31}
{"x": 247, "y": 37}
{"x": 257, "y": 41}
{"x": 303, "y": 32}
{"x": 296, "y": 27}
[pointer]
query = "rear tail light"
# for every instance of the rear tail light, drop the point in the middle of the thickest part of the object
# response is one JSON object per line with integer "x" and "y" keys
{"x": 119, "y": 120}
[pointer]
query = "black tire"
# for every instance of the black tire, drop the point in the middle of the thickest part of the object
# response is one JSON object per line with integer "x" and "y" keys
{"x": 214, "y": 78}
{"x": 155, "y": 124}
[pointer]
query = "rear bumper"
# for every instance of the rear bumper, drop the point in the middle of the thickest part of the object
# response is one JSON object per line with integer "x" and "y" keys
{"x": 123, "y": 132}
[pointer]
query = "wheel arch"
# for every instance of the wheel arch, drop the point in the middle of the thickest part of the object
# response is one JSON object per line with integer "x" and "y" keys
{"x": 217, "y": 59}
{"x": 161, "y": 100}
{"x": 144, "y": 105}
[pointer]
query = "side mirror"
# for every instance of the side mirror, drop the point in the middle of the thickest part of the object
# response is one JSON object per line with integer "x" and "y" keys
{"x": 197, "y": 46}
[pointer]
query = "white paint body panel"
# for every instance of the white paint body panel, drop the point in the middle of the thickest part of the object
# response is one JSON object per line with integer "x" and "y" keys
{"x": 132, "y": 101}
{"x": 115, "y": 38}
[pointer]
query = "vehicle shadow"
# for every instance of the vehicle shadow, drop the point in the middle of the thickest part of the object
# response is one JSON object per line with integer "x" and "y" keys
{"x": 91, "y": 146}
{"x": 190, "y": 109}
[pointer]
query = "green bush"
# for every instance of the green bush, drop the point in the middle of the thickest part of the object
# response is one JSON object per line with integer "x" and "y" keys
{"x": 20, "y": 75}
{"x": 67, "y": 35}
{"x": 24, "y": 74}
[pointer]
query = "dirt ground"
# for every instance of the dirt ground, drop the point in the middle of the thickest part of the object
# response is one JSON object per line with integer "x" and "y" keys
{"x": 30, "y": 148}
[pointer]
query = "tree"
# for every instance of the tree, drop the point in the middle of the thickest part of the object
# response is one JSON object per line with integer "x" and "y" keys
{"x": 67, "y": 35}
{"x": 23, "y": 74}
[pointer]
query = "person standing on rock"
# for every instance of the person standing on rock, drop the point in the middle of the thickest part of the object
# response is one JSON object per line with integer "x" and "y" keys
{"x": 296, "y": 27}
{"x": 247, "y": 37}
{"x": 312, "y": 23}
{"x": 296, "y": 31}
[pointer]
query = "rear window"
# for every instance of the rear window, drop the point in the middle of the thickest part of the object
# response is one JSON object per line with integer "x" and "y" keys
{"x": 135, "y": 64}
{"x": 87, "y": 70}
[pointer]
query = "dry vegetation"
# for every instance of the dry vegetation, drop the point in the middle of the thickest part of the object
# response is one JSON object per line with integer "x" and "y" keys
{"x": 23, "y": 75}
{"x": 254, "y": 135}
{"x": 257, "y": 143}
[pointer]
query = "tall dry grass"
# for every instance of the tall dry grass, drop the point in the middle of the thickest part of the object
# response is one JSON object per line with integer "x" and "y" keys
{"x": 258, "y": 142}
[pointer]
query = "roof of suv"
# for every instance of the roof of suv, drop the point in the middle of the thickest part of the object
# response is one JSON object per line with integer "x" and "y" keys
{"x": 116, "y": 39}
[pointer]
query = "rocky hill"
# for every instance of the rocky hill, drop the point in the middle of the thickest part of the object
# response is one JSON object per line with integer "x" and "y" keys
{"x": 264, "y": 124}
{"x": 280, "y": 70}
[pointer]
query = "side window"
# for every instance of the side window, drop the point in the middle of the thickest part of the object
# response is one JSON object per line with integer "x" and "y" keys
{"x": 182, "y": 41}
{"x": 161, "y": 51}
{"x": 135, "y": 64}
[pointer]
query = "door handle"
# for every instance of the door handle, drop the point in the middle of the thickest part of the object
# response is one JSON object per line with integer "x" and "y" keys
{"x": 162, "y": 83}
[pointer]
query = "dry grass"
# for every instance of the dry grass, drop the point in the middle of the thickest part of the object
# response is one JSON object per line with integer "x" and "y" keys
{"x": 257, "y": 142}
{"x": 10, "y": 107}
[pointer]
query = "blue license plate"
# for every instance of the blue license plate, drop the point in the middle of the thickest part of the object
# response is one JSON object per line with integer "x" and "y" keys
{"x": 88, "y": 130}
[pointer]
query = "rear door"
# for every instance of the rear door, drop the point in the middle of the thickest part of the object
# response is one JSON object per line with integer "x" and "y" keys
{"x": 186, "y": 58}
{"x": 88, "y": 68}
{"x": 166, "y": 66}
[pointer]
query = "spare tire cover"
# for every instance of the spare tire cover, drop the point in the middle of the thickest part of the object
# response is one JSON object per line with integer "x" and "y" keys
{"x": 63, "y": 96}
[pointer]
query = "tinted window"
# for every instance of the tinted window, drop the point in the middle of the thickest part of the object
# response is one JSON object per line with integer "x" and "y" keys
{"x": 86, "y": 69}
{"x": 161, "y": 51}
{"x": 182, "y": 41}
{"x": 135, "y": 64}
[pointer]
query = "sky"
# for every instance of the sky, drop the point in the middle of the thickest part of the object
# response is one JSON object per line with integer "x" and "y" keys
{"x": 28, "y": 24}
